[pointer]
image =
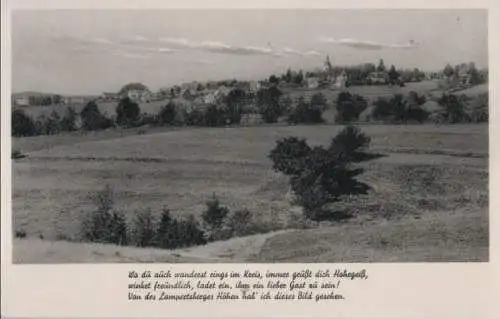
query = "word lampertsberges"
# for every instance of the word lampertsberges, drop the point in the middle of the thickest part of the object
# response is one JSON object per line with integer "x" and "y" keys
{"x": 188, "y": 296}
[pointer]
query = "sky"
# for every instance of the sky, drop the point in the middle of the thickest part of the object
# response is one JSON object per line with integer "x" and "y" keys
{"x": 95, "y": 51}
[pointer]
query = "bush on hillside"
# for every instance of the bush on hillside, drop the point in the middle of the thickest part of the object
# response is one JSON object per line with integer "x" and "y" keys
{"x": 174, "y": 233}
{"x": 168, "y": 113}
{"x": 105, "y": 225}
{"x": 454, "y": 109}
{"x": 214, "y": 215}
{"x": 92, "y": 119}
{"x": 144, "y": 229}
{"x": 349, "y": 107}
{"x": 127, "y": 112}
{"x": 268, "y": 102}
{"x": 68, "y": 122}
{"x": 306, "y": 112}
{"x": 398, "y": 109}
{"x": 319, "y": 176}
{"x": 22, "y": 124}
{"x": 479, "y": 106}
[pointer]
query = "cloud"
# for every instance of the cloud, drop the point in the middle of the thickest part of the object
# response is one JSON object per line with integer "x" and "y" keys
{"x": 130, "y": 55}
{"x": 367, "y": 45}
{"x": 219, "y": 47}
{"x": 299, "y": 53}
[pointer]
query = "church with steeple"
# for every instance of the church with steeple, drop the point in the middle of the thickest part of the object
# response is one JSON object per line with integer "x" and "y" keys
{"x": 330, "y": 78}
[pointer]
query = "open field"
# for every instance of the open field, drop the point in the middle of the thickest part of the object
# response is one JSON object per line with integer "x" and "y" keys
{"x": 429, "y": 200}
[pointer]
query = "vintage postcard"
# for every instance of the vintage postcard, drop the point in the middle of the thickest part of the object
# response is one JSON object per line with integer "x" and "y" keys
{"x": 276, "y": 159}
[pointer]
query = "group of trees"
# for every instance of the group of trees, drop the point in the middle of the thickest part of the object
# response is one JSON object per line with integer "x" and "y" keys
{"x": 289, "y": 77}
{"x": 476, "y": 76}
{"x": 320, "y": 176}
{"x": 145, "y": 229}
{"x": 25, "y": 125}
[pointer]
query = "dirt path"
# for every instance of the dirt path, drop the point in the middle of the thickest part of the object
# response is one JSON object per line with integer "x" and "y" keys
{"x": 235, "y": 250}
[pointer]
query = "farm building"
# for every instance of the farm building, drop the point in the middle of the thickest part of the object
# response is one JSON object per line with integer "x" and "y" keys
{"x": 110, "y": 96}
{"x": 312, "y": 83}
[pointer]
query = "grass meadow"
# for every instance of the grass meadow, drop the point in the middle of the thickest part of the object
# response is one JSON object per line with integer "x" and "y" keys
{"x": 429, "y": 197}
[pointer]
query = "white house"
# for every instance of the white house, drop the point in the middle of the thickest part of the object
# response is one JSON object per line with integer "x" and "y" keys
{"x": 340, "y": 80}
{"x": 312, "y": 82}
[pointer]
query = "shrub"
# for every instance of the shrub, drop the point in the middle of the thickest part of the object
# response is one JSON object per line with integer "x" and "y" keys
{"x": 349, "y": 107}
{"x": 104, "y": 225}
{"x": 214, "y": 116}
{"x": 172, "y": 233}
{"x": 20, "y": 233}
{"x": 144, "y": 229}
{"x": 127, "y": 112}
{"x": 268, "y": 101}
{"x": 289, "y": 155}
{"x": 68, "y": 122}
{"x": 306, "y": 112}
{"x": 167, "y": 235}
{"x": 239, "y": 223}
{"x": 22, "y": 124}
{"x": 454, "y": 109}
{"x": 480, "y": 112}
{"x": 190, "y": 231}
{"x": 319, "y": 176}
{"x": 168, "y": 114}
{"x": 215, "y": 213}
{"x": 92, "y": 119}
{"x": 16, "y": 154}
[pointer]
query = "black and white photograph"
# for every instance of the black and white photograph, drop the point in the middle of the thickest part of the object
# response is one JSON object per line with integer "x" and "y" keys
{"x": 249, "y": 136}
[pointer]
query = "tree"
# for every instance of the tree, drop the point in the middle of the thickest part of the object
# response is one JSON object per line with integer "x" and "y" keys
{"x": 381, "y": 66}
{"x": 127, "y": 112}
{"x": 454, "y": 109}
{"x": 475, "y": 77}
{"x": 215, "y": 213}
{"x": 92, "y": 119}
{"x": 168, "y": 114}
{"x": 22, "y": 124}
{"x": 349, "y": 107}
{"x": 269, "y": 105}
{"x": 144, "y": 229}
{"x": 52, "y": 124}
{"x": 68, "y": 122}
{"x": 393, "y": 75}
{"x": 235, "y": 101}
{"x": 167, "y": 235}
{"x": 299, "y": 78}
{"x": 320, "y": 176}
{"x": 307, "y": 112}
{"x": 274, "y": 79}
{"x": 132, "y": 86}
{"x": 448, "y": 71}
{"x": 190, "y": 232}
{"x": 288, "y": 76}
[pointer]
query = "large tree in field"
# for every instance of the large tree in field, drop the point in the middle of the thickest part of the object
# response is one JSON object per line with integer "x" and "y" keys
{"x": 92, "y": 119}
{"x": 127, "y": 112}
{"x": 320, "y": 176}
